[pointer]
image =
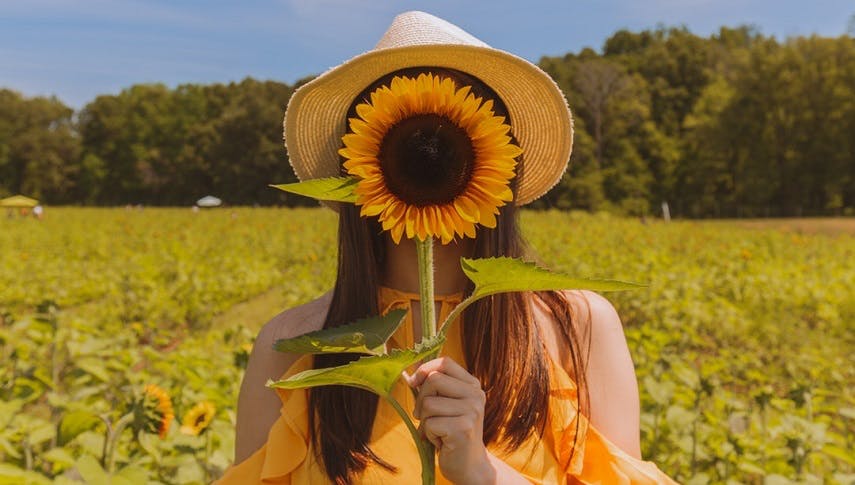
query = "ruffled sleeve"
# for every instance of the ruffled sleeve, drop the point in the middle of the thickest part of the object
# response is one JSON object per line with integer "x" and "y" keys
{"x": 592, "y": 459}
{"x": 287, "y": 441}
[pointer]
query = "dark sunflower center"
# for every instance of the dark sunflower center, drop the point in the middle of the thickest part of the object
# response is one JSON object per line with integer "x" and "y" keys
{"x": 426, "y": 159}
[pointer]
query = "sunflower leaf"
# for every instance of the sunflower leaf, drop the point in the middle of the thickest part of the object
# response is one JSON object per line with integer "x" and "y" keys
{"x": 90, "y": 470}
{"x": 364, "y": 336}
{"x": 376, "y": 373}
{"x": 74, "y": 423}
{"x": 336, "y": 189}
{"x": 503, "y": 275}
{"x": 500, "y": 275}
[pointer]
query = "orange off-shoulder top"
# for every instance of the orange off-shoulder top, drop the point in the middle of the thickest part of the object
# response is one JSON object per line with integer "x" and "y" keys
{"x": 287, "y": 457}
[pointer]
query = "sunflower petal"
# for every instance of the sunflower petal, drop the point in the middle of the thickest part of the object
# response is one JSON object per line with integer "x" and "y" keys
{"x": 488, "y": 219}
{"x": 361, "y": 128}
{"x": 393, "y": 215}
{"x": 410, "y": 222}
{"x": 422, "y": 224}
{"x": 445, "y": 223}
{"x": 361, "y": 145}
{"x": 467, "y": 209}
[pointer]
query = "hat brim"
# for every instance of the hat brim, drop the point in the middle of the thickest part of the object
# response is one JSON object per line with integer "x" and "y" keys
{"x": 540, "y": 118}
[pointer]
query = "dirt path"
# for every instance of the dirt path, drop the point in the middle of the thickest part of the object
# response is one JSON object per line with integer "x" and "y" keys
{"x": 253, "y": 313}
{"x": 818, "y": 225}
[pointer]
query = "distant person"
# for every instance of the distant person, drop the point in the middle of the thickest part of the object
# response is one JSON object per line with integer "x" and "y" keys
{"x": 38, "y": 212}
{"x": 513, "y": 399}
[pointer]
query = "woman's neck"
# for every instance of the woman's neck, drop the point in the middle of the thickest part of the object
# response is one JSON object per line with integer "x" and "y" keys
{"x": 401, "y": 270}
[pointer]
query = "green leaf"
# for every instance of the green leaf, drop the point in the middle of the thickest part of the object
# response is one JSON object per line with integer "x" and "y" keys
{"x": 95, "y": 367}
{"x": 131, "y": 474}
{"x": 59, "y": 456}
{"x": 840, "y": 453}
{"x": 377, "y": 373}
{"x": 40, "y": 434}
{"x": 337, "y": 189}
{"x": 12, "y": 475}
{"x": 775, "y": 479}
{"x": 500, "y": 275}
{"x": 91, "y": 471}
{"x": 503, "y": 275}
{"x": 8, "y": 410}
{"x": 847, "y": 412}
{"x": 7, "y": 447}
{"x": 74, "y": 423}
{"x": 149, "y": 443}
{"x": 189, "y": 471}
{"x": 660, "y": 391}
{"x": 364, "y": 336}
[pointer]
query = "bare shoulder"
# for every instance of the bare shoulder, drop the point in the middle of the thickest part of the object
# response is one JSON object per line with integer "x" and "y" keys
{"x": 612, "y": 388}
{"x": 295, "y": 321}
{"x": 594, "y": 312}
{"x": 258, "y": 406}
{"x": 587, "y": 310}
{"x": 609, "y": 371}
{"x": 265, "y": 362}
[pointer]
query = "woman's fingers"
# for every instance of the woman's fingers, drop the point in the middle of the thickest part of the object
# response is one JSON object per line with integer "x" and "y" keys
{"x": 434, "y": 439}
{"x": 450, "y": 407}
{"x": 443, "y": 385}
{"x": 444, "y": 365}
{"x": 449, "y": 431}
{"x": 433, "y": 406}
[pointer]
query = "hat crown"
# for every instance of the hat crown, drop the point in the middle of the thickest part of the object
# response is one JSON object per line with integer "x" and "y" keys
{"x": 316, "y": 117}
{"x": 420, "y": 28}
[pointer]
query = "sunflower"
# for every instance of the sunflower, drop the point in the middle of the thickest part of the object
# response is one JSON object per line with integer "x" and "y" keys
{"x": 197, "y": 419}
{"x": 432, "y": 160}
{"x": 157, "y": 409}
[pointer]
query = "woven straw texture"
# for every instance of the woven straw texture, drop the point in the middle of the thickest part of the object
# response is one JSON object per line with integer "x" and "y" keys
{"x": 539, "y": 116}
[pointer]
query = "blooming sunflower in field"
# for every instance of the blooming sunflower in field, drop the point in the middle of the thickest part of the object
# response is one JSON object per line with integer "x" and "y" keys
{"x": 432, "y": 159}
{"x": 197, "y": 419}
{"x": 157, "y": 409}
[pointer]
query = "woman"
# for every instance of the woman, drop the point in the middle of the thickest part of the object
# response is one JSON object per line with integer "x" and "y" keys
{"x": 532, "y": 387}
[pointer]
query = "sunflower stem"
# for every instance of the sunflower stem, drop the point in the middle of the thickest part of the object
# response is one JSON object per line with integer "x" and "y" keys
{"x": 206, "y": 465}
{"x": 425, "y": 447}
{"x": 424, "y": 251}
{"x": 113, "y": 439}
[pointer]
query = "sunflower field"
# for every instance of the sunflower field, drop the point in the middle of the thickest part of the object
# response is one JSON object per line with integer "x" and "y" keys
{"x": 124, "y": 334}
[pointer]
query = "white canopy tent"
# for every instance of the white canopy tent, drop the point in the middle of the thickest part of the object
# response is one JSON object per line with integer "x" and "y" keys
{"x": 209, "y": 201}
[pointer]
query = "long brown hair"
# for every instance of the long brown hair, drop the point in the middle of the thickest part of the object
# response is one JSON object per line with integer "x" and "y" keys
{"x": 503, "y": 347}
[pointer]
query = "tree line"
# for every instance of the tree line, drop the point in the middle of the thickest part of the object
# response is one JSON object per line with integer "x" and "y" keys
{"x": 737, "y": 124}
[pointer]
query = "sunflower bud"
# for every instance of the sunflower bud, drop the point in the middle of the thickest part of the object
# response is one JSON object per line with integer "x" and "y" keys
{"x": 153, "y": 411}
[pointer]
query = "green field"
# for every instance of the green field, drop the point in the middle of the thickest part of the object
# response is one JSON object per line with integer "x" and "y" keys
{"x": 742, "y": 341}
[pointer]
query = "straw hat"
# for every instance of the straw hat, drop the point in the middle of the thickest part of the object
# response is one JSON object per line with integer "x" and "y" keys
{"x": 315, "y": 119}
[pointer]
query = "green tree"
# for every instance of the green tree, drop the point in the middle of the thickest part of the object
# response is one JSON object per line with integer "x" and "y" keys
{"x": 154, "y": 145}
{"x": 38, "y": 147}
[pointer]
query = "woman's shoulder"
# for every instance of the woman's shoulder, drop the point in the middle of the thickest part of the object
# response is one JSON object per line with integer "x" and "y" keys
{"x": 596, "y": 327}
{"x": 593, "y": 311}
{"x": 296, "y": 321}
{"x": 609, "y": 371}
{"x": 258, "y": 407}
{"x": 587, "y": 310}
{"x": 587, "y": 304}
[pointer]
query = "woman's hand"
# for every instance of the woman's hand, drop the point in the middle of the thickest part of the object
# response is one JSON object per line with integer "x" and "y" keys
{"x": 450, "y": 406}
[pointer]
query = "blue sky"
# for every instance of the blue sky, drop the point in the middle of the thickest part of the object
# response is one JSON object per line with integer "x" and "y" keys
{"x": 77, "y": 49}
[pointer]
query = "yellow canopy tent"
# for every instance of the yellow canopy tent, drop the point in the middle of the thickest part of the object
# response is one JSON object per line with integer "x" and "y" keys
{"x": 18, "y": 201}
